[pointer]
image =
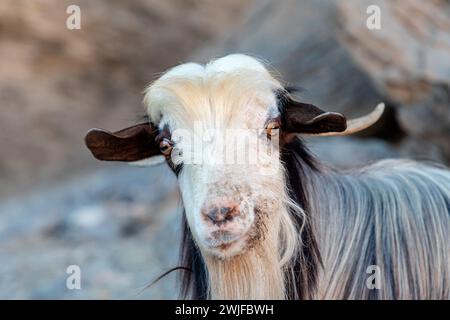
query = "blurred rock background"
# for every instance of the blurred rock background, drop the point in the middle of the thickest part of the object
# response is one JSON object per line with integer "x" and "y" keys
{"x": 59, "y": 207}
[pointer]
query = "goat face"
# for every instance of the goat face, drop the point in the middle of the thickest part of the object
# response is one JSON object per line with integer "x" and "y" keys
{"x": 228, "y": 206}
{"x": 216, "y": 126}
{"x": 213, "y": 124}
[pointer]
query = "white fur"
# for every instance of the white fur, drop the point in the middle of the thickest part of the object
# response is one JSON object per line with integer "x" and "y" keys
{"x": 235, "y": 92}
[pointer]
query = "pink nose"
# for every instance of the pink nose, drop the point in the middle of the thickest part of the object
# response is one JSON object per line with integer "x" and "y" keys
{"x": 220, "y": 211}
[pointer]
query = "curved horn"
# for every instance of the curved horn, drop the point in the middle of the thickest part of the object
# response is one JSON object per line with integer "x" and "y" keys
{"x": 358, "y": 124}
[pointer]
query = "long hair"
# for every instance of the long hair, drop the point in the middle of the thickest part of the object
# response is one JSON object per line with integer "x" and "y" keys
{"x": 194, "y": 282}
{"x": 390, "y": 219}
{"x": 298, "y": 161}
{"x": 299, "y": 273}
{"x": 393, "y": 215}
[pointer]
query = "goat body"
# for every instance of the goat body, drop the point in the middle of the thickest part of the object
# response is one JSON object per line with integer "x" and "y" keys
{"x": 285, "y": 226}
{"x": 393, "y": 214}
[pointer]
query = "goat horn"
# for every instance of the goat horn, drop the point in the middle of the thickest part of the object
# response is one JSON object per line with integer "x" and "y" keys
{"x": 358, "y": 124}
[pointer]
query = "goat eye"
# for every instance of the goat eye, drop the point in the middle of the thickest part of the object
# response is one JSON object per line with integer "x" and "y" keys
{"x": 166, "y": 146}
{"x": 271, "y": 128}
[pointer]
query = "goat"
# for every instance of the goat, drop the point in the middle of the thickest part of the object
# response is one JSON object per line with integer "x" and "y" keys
{"x": 287, "y": 226}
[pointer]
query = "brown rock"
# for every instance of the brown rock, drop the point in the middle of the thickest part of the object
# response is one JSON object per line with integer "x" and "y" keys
{"x": 56, "y": 83}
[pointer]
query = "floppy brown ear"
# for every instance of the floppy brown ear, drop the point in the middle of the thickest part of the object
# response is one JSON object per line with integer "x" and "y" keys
{"x": 129, "y": 144}
{"x": 298, "y": 117}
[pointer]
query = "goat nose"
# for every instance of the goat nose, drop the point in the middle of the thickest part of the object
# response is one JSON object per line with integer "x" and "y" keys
{"x": 219, "y": 215}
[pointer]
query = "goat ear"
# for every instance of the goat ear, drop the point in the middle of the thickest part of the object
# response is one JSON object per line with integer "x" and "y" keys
{"x": 130, "y": 144}
{"x": 298, "y": 117}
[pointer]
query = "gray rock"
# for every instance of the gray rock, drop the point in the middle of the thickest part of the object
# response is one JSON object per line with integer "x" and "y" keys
{"x": 119, "y": 226}
{"x": 326, "y": 48}
{"x": 350, "y": 152}
{"x": 408, "y": 60}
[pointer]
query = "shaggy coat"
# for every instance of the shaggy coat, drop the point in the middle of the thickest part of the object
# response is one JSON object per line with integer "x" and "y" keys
{"x": 394, "y": 214}
{"x": 286, "y": 227}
